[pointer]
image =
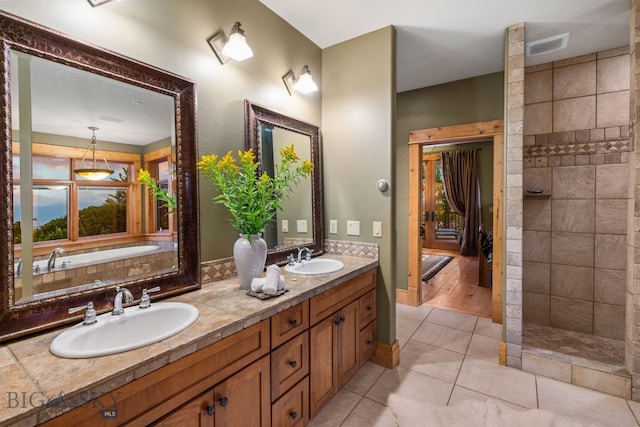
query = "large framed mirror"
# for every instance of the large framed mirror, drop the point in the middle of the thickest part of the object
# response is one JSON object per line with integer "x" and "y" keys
{"x": 70, "y": 109}
{"x": 300, "y": 223}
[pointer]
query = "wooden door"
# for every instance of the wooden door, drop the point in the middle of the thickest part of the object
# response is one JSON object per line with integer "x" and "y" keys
{"x": 441, "y": 225}
{"x": 323, "y": 364}
{"x": 198, "y": 412}
{"x": 244, "y": 398}
{"x": 348, "y": 340}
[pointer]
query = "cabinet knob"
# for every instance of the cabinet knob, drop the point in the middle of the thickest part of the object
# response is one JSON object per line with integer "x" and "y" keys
{"x": 369, "y": 308}
{"x": 337, "y": 322}
{"x": 211, "y": 409}
{"x": 369, "y": 342}
{"x": 293, "y": 415}
{"x": 293, "y": 363}
{"x": 342, "y": 319}
{"x": 224, "y": 401}
{"x": 293, "y": 322}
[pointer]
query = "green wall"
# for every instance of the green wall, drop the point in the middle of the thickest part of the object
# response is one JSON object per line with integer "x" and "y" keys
{"x": 358, "y": 116}
{"x": 464, "y": 101}
{"x": 172, "y": 35}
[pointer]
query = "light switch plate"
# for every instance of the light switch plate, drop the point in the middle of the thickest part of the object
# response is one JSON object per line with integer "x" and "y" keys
{"x": 285, "y": 225}
{"x": 302, "y": 226}
{"x": 353, "y": 228}
{"x": 377, "y": 229}
{"x": 333, "y": 226}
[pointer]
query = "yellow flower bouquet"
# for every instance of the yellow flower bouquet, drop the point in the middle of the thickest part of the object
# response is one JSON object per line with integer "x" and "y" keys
{"x": 253, "y": 200}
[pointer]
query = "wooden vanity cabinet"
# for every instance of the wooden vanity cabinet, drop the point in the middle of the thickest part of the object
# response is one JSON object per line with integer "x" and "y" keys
{"x": 335, "y": 341}
{"x": 280, "y": 371}
{"x": 240, "y": 400}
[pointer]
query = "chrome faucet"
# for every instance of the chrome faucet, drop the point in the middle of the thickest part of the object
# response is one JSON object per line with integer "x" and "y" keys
{"x": 303, "y": 250}
{"x": 51, "y": 264}
{"x": 121, "y": 293}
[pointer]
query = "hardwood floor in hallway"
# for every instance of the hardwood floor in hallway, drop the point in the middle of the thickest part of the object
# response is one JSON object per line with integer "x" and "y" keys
{"x": 455, "y": 287}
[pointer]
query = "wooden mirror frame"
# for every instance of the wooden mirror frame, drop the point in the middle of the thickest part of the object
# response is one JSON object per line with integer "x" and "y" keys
{"x": 254, "y": 115}
{"x": 33, "y": 316}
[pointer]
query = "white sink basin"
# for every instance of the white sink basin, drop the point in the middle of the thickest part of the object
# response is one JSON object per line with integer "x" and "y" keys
{"x": 315, "y": 266}
{"x": 136, "y": 328}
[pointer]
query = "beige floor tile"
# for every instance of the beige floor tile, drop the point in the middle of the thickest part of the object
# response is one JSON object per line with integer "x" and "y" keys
{"x": 429, "y": 360}
{"x": 485, "y": 348}
{"x": 486, "y": 327}
{"x": 337, "y": 410}
{"x": 443, "y": 337}
{"x": 452, "y": 319}
{"x": 400, "y": 385}
{"x": 460, "y": 394}
{"x": 402, "y": 342}
{"x": 505, "y": 383}
{"x": 364, "y": 378}
{"x": 406, "y": 326}
{"x": 419, "y": 312}
{"x": 635, "y": 409}
{"x": 371, "y": 414}
{"x": 583, "y": 404}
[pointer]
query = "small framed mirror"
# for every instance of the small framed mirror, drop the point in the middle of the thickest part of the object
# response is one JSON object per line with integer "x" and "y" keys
{"x": 300, "y": 223}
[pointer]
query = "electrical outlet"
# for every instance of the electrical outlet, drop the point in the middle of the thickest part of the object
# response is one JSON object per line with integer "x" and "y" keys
{"x": 285, "y": 225}
{"x": 333, "y": 226}
{"x": 353, "y": 228}
{"x": 377, "y": 229}
{"x": 302, "y": 226}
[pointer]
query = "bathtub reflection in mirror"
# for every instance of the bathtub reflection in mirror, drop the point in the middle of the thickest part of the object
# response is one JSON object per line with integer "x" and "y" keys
{"x": 70, "y": 232}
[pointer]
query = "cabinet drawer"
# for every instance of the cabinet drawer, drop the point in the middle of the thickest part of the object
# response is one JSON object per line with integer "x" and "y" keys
{"x": 367, "y": 342}
{"x": 367, "y": 308}
{"x": 289, "y": 323}
{"x": 293, "y": 408}
{"x": 289, "y": 364}
{"x": 332, "y": 300}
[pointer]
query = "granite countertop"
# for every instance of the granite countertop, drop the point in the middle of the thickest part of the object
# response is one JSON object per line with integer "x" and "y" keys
{"x": 30, "y": 376}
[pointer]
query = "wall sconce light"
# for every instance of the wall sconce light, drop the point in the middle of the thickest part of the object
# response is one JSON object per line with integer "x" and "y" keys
{"x": 94, "y": 173}
{"x": 234, "y": 47}
{"x": 95, "y": 3}
{"x": 303, "y": 84}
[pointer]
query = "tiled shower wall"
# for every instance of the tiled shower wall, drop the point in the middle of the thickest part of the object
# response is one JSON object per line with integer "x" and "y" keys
{"x": 576, "y": 152}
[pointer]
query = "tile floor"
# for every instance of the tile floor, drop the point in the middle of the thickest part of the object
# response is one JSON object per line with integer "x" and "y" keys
{"x": 449, "y": 376}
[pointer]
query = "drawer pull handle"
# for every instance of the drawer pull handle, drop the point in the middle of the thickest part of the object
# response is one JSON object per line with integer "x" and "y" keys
{"x": 293, "y": 323}
{"x": 293, "y": 363}
{"x": 293, "y": 415}
{"x": 224, "y": 401}
{"x": 211, "y": 409}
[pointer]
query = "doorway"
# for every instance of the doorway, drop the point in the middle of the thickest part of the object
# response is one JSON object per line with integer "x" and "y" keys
{"x": 480, "y": 131}
{"x": 441, "y": 226}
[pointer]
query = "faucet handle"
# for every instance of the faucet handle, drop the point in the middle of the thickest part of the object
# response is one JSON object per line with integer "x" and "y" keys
{"x": 292, "y": 259}
{"x": 145, "y": 302}
{"x": 89, "y": 314}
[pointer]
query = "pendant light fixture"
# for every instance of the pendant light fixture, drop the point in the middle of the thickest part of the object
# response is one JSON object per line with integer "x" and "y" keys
{"x": 94, "y": 173}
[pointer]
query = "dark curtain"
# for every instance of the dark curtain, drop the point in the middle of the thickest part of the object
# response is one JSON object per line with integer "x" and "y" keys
{"x": 461, "y": 189}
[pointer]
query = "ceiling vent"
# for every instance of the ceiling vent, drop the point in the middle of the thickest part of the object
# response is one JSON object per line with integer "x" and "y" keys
{"x": 547, "y": 45}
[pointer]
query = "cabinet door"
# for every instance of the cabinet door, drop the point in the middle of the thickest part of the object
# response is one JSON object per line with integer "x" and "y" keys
{"x": 198, "y": 412}
{"x": 322, "y": 365}
{"x": 348, "y": 340}
{"x": 292, "y": 409}
{"x": 367, "y": 342}
{"x": 243, "y": 399}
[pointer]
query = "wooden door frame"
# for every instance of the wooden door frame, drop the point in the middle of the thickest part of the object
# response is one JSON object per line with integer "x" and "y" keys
{"x": 479, "y": 131}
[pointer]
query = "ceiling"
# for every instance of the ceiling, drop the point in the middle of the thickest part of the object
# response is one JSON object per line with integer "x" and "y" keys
{"x": 446, "y": 40}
